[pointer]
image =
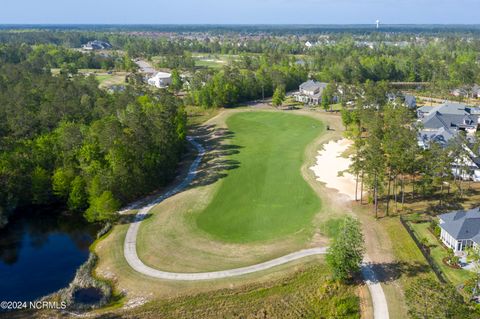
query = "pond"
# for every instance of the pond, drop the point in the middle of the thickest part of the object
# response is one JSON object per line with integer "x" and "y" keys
{"x": 40, "y": 252}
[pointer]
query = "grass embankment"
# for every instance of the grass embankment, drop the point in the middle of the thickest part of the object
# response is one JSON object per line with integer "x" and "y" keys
{"x": 307, "y": 294}
{"x": 266, "y": 196}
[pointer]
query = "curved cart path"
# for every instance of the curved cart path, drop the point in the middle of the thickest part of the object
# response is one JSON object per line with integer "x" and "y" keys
{"x": 380, "y": 305}
{"x": 130, "y": 247}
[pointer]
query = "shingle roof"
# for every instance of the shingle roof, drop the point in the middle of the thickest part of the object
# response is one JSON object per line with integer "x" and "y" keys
{"x": 462, "y": 224}
{"x": 441, "y": 136}
{"x": 311, "y": 85}
{"x": 425, "y": 109}
{"x": 453, "y": 108}
{"x": 410, "y": 100}
{"x": 449, "y": 115}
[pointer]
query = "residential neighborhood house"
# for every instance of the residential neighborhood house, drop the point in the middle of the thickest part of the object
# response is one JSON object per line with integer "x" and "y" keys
{"x": 460, "y": 229}
{"x": 408, "y": 100}
{"x": 310, "y": 92}
{"x": 96, "y": 45}
{"x": 442, "y": 124}
{"x": 160, "y": 80}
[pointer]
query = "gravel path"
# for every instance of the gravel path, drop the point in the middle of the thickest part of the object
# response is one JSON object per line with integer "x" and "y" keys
{"x": 130, "y": 247}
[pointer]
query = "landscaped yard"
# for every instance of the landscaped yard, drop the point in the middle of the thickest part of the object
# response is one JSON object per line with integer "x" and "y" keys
{"x": 266, "y": 196}
{"x": 438, "y": 252}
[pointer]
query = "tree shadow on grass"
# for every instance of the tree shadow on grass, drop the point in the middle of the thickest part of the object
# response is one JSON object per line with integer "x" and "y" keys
{"x": 131, "y": 218}
{"x": 216, "y": 162}
{"x": 389, "y": 272}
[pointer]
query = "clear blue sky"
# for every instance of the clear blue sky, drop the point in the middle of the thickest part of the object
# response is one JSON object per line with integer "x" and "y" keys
{"x": 240, "y": 11}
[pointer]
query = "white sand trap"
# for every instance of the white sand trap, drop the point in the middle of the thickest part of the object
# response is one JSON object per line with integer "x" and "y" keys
{"x": 331, "y": 164}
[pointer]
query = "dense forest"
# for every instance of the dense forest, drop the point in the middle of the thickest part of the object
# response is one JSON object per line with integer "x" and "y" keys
{"x": 63, "y": 140}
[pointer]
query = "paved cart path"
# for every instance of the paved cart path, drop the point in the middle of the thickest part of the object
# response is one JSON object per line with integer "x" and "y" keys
{"x": 130, "y": 247}
{"x": 130, "y": 250}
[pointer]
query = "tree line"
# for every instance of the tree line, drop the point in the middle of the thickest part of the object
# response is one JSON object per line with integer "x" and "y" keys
{"x": 63, "y": 140}
{"x": 387, "y": 154}
{"x": 447, "y": 62}
{"x": 246, "y": 80}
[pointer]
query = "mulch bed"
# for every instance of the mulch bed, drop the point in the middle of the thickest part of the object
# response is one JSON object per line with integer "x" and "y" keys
{"x": 445, "y": 261}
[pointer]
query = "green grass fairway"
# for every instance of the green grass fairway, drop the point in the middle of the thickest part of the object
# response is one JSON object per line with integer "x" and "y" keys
{"x": 266, "y": 197}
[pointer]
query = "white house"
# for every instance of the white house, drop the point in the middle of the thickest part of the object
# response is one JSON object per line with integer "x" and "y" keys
{"x": 160, "y": 80}
{"x": 460, "y": 229}
{"x": 310, "y": 92}
{"x": 442, "y": 125}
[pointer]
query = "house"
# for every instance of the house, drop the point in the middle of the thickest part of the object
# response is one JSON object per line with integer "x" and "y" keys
{"x": 310, "y": 92}
{"x": 442, "y": 125}
{"x": 408, "y": 100}
{"x": 460, "y": 229}
{"x": 453, "y": 116}
{"x": 422, "y": 111}
{"x": 460, "y": 92}
{"x": 96, "y": 45}
{"x": 476, "y": 91}
{"x": 160, "y": 80}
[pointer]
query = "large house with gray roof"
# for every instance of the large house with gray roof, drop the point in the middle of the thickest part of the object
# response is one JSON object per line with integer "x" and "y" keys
{"x": 442, "y": 125}
{"x": 310, "y": 92}
{"x": 460, "y": 229}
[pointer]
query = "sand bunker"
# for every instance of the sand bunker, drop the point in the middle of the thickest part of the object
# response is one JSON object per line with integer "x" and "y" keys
{"x": 331, "y": 168}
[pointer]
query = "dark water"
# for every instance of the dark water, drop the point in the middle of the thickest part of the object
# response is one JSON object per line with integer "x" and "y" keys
{"x": 88, "y": 296}
{"x": 40, "y": 253}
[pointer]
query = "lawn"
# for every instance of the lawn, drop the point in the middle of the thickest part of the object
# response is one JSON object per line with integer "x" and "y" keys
{"x": 411, "y": 262}
{"x": 438, "y": 252}
{"x": 266, "y": 196}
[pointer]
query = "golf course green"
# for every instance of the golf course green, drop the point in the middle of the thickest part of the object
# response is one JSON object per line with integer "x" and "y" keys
{"x": 266, "y": 196}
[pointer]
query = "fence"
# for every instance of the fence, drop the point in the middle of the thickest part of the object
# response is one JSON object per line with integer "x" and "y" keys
{"x": 433, "y": 264}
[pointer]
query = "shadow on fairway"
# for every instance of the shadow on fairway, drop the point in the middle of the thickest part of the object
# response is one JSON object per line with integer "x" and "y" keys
{"x": 215, "y": 164}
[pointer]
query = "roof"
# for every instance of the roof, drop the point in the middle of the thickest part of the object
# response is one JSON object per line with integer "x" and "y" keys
{"x": 441, "y": 136}
{"x": 311, "y": 85}
{"x": 410, "y": 100}
{"x": 476, "y": 89}
{"x": 425, "y": 109}
{"x": 453, "y": 108}
{"x": 162, "y": 75}
{"x": 462, "y": 225}
{"x": 450, "y": 115}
